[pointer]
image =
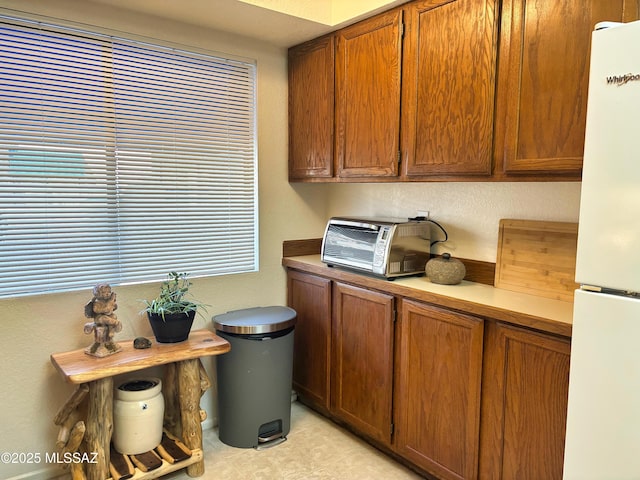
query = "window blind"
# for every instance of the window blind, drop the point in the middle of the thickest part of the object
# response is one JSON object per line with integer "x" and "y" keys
{"x": 121, "y": 161}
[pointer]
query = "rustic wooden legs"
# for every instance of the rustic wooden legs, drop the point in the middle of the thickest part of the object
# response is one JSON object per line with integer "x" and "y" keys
{"x": 184, "y": 383}
{"x": 188, "y": 373}
{"x": 172, "y": 422}
{"x": 99, "y": 427}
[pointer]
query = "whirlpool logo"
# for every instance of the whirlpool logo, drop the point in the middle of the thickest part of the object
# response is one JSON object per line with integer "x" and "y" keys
{"x": 620, "y": 80}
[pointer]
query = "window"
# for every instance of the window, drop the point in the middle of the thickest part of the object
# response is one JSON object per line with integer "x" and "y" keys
{"x": 121, "y": 161}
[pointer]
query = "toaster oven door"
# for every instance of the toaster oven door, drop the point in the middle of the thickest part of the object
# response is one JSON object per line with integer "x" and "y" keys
{"x": 351, "y": 245}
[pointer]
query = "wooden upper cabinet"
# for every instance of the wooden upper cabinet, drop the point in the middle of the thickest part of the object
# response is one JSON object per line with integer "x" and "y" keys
{"x": 449, "y": 70}
{"x": 543, "y": 82}
{"x": 367, "y": 110}
{"x": 455, "y": 89}
{"x": 311, "y": 102}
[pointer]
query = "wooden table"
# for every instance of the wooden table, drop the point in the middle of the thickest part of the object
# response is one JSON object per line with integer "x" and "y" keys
{"x": 184, "y": 383}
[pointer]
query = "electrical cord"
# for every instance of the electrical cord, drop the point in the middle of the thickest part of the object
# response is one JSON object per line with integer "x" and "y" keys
{"x": 424, "y": 219}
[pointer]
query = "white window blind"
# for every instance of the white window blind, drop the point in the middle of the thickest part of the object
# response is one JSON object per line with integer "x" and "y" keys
{"x": 121, "y": 161}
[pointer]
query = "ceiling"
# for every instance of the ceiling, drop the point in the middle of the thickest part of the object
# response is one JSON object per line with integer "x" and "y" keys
{"x": 279, "y": 22}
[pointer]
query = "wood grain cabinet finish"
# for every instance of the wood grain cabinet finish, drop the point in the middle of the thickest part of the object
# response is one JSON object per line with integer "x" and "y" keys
{"x": 362, "y": 367}
{"x": 311, "y": 109}
{"x": 524, "y": 404}
{"x": 310, "y": 297}
{"x": 449, "y": 71}
{"x": 367, "y": 110}
{"x": 438, "y": 85}
{"x": 438, "y": 390}
{"x": 469, "y": 397}
{"x": 543, "y": 82}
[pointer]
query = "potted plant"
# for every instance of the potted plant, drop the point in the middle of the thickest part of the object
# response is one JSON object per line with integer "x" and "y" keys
{"x": 172, "y": 312}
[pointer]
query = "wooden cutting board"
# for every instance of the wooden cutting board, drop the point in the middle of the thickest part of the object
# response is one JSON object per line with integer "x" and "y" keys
{"x": 537, "y": 257}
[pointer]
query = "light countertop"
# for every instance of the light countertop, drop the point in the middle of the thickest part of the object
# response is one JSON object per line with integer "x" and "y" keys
{"x": 548, "y": 315}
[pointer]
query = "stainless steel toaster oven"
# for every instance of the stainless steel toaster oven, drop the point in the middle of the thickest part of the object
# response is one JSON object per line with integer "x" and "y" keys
{"x": 384, "y": 247}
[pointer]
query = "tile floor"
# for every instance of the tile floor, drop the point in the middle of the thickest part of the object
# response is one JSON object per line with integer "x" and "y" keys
{"x": 316, "y": 449}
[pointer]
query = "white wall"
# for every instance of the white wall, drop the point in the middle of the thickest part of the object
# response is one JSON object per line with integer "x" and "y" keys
{"x": 31, "y": 328}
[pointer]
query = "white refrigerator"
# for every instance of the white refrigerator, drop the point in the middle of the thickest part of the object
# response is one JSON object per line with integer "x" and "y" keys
{"x": 603, "y": 417}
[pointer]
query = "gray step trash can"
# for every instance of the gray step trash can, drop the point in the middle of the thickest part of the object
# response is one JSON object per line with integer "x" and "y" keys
{"x": 255, "y": 376}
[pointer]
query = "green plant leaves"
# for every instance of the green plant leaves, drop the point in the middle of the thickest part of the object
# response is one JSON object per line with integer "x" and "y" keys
{"x": 173, "y": 297}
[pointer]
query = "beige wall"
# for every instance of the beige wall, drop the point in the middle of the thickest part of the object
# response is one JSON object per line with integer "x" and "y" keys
{"x": 469, "y": 212}
{"x": 34, "y": 327}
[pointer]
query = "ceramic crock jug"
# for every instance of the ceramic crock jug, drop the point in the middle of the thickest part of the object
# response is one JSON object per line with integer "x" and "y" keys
{"x": 138, "y": 412}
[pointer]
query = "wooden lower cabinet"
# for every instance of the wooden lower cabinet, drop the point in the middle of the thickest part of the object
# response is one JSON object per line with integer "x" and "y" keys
{"x": 438, "y": 390}
{"x": 455, "y": 395}
{"x": 343, "y": 352}
{"x": 524, "y": 404}
{"x": 310, "y": 297}
{"x": 362, "y": 363}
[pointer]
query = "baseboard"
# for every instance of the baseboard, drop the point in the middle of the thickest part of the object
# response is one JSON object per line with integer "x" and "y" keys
{"x": 209, "y": 423}
{"x": 49, "y": 473}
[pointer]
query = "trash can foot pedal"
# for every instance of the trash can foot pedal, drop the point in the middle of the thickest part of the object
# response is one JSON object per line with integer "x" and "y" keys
{"x": 275, "y": 440}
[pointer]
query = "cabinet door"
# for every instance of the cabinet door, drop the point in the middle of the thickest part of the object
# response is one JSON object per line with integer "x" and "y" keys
{"x": 524, "y": 404}
{"x": 310, "y": 297}
{"x": 362, "y": 369}
{"x": 449, "y": 70}
{"x": 438, "y": 390}
{"x": 311, "y": 100}
{"x": 368, "y": 64}
{"x": 543, "y": 82}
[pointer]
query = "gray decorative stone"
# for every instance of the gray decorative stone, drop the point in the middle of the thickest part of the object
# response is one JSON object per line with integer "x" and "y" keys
{"x": 445, "y": 270}
{"x": 141, "y": 343}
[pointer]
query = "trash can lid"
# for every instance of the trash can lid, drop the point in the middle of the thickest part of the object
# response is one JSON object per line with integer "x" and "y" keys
{"x": 256, "y": 320}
